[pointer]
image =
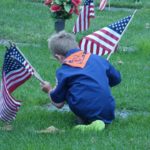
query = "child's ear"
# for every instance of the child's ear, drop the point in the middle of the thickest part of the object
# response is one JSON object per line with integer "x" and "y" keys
{"x": 57, "y": 56}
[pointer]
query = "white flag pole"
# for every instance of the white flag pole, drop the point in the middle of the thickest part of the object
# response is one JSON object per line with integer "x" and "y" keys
{"x": 109, "y": 5}
{"x": 37, "y": 76}
{"x": 122, "y": 34}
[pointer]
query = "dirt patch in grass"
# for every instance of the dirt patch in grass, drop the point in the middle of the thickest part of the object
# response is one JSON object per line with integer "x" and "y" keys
{"x": 51, "y": 107}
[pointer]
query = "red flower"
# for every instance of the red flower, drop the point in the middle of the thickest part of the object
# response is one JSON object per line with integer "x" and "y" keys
{"x": 71, "y": 10}
{"x": 48, "y": 2}
{"x": 76, "y": 2}
{"x": 55, "y": 8}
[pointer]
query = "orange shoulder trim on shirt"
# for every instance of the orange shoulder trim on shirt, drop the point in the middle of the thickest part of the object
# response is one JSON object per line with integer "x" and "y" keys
{"x": 78, "y": 59}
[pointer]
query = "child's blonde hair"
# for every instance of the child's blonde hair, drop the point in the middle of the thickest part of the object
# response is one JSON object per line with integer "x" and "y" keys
{"x": 61, "y": 43}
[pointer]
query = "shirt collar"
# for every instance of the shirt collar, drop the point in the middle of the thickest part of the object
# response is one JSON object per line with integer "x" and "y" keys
{"x": 72, "y": 51}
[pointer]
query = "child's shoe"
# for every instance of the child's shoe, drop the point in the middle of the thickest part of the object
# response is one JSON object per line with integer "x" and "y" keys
{"x": 97, "y": 125}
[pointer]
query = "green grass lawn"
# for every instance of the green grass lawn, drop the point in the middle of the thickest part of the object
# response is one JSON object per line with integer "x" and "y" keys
{"x": 29, "y": 25}
{"x": 128, "y": 3}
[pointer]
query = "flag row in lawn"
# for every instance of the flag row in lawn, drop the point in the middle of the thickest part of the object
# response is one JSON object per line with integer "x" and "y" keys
{"x": 105, "y": 40}
{"x": 102, "y": 4}
{"x": 16, "y": 69}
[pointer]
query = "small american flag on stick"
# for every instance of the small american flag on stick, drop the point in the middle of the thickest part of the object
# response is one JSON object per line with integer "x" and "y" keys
{"x": 16, "y": 70}
{"x": 83, "y": 21}
{"x": 105, "y": 40}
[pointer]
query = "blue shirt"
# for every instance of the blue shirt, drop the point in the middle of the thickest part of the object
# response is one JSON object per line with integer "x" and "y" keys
{"x": 87, "y": 90}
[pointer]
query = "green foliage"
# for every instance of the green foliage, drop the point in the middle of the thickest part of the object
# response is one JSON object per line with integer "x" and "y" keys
{"x": 29, "y": 25}
{"x": 67, "y": 8}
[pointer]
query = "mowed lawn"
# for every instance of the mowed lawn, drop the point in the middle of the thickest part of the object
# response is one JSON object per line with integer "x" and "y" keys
{"x": 28, "y": 24}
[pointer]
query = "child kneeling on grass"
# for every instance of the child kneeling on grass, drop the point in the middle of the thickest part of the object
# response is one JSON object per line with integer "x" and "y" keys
{"x": 83, "y": 81}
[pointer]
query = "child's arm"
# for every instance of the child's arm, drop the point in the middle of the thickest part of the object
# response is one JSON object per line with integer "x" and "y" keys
{"x": 113, "y": 76}
{"x": 46, "y": 87}
{"x": 58, "y": 105}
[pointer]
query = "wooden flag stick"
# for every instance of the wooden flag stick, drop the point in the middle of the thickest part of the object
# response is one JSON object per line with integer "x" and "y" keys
{"x": 122, "y": 34}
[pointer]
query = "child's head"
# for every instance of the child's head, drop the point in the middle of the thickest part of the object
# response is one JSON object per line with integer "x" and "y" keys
{"x": 61, "y": 43}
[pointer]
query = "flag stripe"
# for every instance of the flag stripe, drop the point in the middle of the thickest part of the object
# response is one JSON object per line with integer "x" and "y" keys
{"x": 14, "y": 74}
{"x": 9, "y": 102}
{"x": 8, "y": 112}
{"x": 4, "y": 117}
{"x": 18, "y": 81}
{"x": 7, "y": 107}
{"x": 16, "y": 78}
{"x": 107, "y": 35}
{"x": 103, "y": 38}
{"x": 91, "y": 10}
{"x": 102, "y": 4}
{"x": 11, "y": 73}
{"x": 7, "y": 96}
{"x": 4, "y": 103}
{"x": 99, "y": 42}
{"x": 88, "y": 46}
{"x": 111, "y": 33}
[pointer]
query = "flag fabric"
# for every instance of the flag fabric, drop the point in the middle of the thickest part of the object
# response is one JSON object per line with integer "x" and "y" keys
{"x": 16, "y": 70}
{"x": 102, "y": 4}
{"x": 105, "y": 40}
{"x": 83, "y": 21}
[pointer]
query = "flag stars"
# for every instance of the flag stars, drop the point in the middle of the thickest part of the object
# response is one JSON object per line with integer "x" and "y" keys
{"x": 7, "y": 56}
{"x": 120, "y": 25}
{"x": 13, "y": 60}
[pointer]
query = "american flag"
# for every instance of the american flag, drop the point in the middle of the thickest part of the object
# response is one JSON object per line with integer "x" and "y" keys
{"x": 102, "y": 4}
{"x": 16, "y": 70}
{"x": 83, "y": 21}
{"x": 105, "y": 40}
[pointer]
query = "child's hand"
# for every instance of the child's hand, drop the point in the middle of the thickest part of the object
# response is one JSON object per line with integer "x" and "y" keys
{"x": 46, "y": 87}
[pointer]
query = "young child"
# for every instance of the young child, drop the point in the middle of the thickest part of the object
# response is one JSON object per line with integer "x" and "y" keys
{"x": 83, "y": 81}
